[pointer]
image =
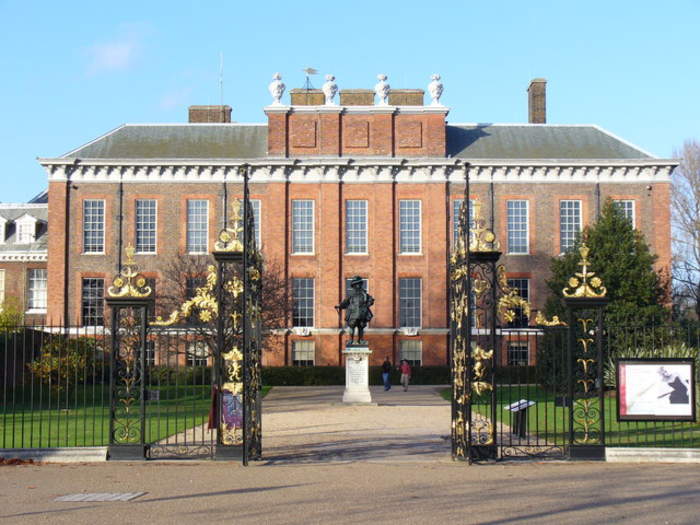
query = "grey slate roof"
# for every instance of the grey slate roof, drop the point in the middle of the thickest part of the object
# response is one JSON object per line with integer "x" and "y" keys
{"x": 178, "y": 141}
{"x": 249, "y": 141}
{"x": 517, "y": 141}
{"x": 12, "y": 212}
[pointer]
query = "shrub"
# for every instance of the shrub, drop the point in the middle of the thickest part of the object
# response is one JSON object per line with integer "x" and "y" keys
{"x": 668, "y": 351}
{"x": 11, "y": 315}
{"x": 65, "y": 363}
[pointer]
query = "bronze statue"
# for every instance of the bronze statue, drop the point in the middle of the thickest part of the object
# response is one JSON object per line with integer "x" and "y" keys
{"x": 356, "y": 306}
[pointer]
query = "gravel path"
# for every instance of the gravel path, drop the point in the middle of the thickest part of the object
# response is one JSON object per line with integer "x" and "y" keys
{"x": 311, "y": 424}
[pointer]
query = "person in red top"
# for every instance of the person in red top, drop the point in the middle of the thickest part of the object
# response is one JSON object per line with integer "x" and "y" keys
{"x": 405, "y": 369}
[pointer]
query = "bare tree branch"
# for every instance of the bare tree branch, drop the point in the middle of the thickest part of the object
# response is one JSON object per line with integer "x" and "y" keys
{"x": 685, "y": 201}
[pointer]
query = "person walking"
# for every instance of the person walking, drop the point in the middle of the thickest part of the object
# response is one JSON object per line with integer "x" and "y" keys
{"x": 405, "y": 369}
{"x": 386, "y": 373}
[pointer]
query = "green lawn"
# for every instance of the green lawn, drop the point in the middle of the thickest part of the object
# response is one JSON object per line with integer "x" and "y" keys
{"x": 86, "y": 422}
{"x": 550, "y": 423}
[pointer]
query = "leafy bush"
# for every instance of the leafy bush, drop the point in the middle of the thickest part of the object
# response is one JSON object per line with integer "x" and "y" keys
{"x": 65, "y": 363}
{"x": 669, "y": 351}
{"x": 185, "y": 375}
{"x": 11, "y": 314}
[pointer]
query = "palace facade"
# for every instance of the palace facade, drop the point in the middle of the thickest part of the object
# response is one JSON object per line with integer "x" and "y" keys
{"x": 369, "y": 186}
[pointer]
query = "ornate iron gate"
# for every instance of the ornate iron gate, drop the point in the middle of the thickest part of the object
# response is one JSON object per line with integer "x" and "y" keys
{"x": 498, "y": 410}
{"x": 232, "y": 297}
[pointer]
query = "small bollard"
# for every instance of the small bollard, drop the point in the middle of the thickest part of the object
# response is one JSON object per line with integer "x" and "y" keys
{"x": 519, "y": 408}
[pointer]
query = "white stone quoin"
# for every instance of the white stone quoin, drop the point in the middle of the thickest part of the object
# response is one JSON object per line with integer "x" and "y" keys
{"x": 357, "y": 374}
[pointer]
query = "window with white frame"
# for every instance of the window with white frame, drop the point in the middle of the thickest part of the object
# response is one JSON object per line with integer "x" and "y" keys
{"x": 36, "y": 290}
{"x": 197, "y": 226}
{"x": 302, "y": 226}
{"x": 348, "y": 280}
{"x": 356, "y": 226}
{"x": 26, "y": 230}
{"x": 412, "y": 351}
{"x": 517, "y": 226}
{"x": 303, "y": 353}
{"x": 2, "y": 287}
{"x": 256, "y": 206}
{"x": 523, "y": 288}
{"x": 93, "y": 226}
{"x": 518, "y": 353}
{"x": 150, "y": 353}
{"x": 626, "y": 206}
{"x": 410, "y": 302}
{"x": 92, "y": 302}
{"x": 456, "y": 209}
{"x": 410, "y": 226}
{"x": 569, "y": 224}
{"x": 146, "y": 225}
{"x": 197, "y": 353}
{"x": 302, "y": 302}
{"x": 3, "y": 230}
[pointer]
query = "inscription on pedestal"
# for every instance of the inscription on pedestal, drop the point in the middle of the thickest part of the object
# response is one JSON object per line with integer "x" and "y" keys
{"x": 357, "y": 375}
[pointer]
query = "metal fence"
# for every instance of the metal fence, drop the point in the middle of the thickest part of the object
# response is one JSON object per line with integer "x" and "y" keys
{"x": 533, "y": 401}
{"x": 54, "y": 388}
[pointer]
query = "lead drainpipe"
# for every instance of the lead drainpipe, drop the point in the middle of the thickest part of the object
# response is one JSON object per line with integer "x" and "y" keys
{"x": 66, "y": 248}
{"x": 597, "y": 200}
{"x": 340, "y": 264}
{"x": 120, "y": 221}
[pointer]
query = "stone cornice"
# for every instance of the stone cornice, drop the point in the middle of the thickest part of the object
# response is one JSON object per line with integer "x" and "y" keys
{"x": 23, "y": 257}
{"x": 360, "y": 170}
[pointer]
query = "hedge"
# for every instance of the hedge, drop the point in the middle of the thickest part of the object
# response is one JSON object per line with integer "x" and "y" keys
{"x": 330, "y": 375}
{"x": 421, "y": 375}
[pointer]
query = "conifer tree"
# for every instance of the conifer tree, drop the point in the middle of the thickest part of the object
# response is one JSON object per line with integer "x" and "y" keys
{"x": 620, "y": 256}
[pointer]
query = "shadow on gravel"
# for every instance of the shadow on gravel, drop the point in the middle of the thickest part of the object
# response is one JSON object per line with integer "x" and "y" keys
{"x": 341, "y": 451}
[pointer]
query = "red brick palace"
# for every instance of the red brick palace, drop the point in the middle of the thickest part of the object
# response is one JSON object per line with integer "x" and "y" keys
{"x": 368, "y": 185}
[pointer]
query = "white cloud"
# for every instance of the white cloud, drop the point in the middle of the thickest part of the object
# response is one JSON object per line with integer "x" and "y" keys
{"x": 119, "y": 54}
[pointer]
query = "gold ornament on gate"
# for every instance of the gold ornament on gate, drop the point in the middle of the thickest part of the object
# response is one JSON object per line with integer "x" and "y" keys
{"x": 129, "y": 283}
{"x": 231, "y": 238}
{"x": 585, "y": 284}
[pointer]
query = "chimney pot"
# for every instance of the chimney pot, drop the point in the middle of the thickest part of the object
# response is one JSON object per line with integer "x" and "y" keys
{"x": 537, "y": 101}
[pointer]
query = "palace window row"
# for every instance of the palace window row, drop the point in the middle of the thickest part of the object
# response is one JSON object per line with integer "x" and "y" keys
{"x": 146, "y": 225}
{"x": 304, "y": 352}
{"x": 356, "y": 225}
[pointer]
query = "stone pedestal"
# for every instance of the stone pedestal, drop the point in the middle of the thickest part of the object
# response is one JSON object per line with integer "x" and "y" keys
{"x": 357, "y": 374}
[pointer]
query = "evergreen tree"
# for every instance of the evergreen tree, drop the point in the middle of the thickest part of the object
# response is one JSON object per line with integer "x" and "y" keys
{"x": 620, "y": 256}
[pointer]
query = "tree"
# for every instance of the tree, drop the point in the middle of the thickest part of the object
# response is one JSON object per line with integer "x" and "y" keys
{"x": 686, "y": 226}
{"x": 620, "y": 256}
{"x": 185, "y": 274}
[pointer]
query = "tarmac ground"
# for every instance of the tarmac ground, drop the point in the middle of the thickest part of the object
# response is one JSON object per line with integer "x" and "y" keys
{"x": 330, "y": 463}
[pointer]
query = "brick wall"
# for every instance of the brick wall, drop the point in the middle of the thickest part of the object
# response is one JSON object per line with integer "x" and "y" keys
{"x": 356, "y": 131}
{"x": 329, "y": 265}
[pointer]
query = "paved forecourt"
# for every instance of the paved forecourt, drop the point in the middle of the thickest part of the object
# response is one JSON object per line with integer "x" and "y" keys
{"x": 311, "y": 424}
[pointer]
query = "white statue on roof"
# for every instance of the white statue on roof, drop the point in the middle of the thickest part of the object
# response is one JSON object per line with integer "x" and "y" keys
{"x": 330, "y": 88}
{"x": 435, "y": 89}
{"x": 382, "y": 90}
{"x": 276, "y": 88}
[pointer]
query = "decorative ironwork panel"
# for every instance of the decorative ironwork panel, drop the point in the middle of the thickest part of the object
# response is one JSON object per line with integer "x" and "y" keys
{"x": 127, "y": 377}
{"x": 252, "y": 353}
{"x": 586, "y": 384}
{"x": 473, "y": 320}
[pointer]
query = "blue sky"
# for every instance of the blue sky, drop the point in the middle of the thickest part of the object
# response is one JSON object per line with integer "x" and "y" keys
{"x": 74, "y": 70}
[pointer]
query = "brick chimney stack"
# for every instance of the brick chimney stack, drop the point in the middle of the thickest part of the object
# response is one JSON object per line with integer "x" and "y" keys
{"x": 210, "y": 114}
{"x": 537, "y": 101}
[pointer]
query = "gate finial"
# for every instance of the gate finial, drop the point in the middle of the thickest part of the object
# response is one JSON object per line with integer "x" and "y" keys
{"x": 585, "y": 284}
{"x": 129, "y": 283}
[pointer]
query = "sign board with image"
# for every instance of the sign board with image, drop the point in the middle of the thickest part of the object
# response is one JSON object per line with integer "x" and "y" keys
{"x": 656, "y": 390}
